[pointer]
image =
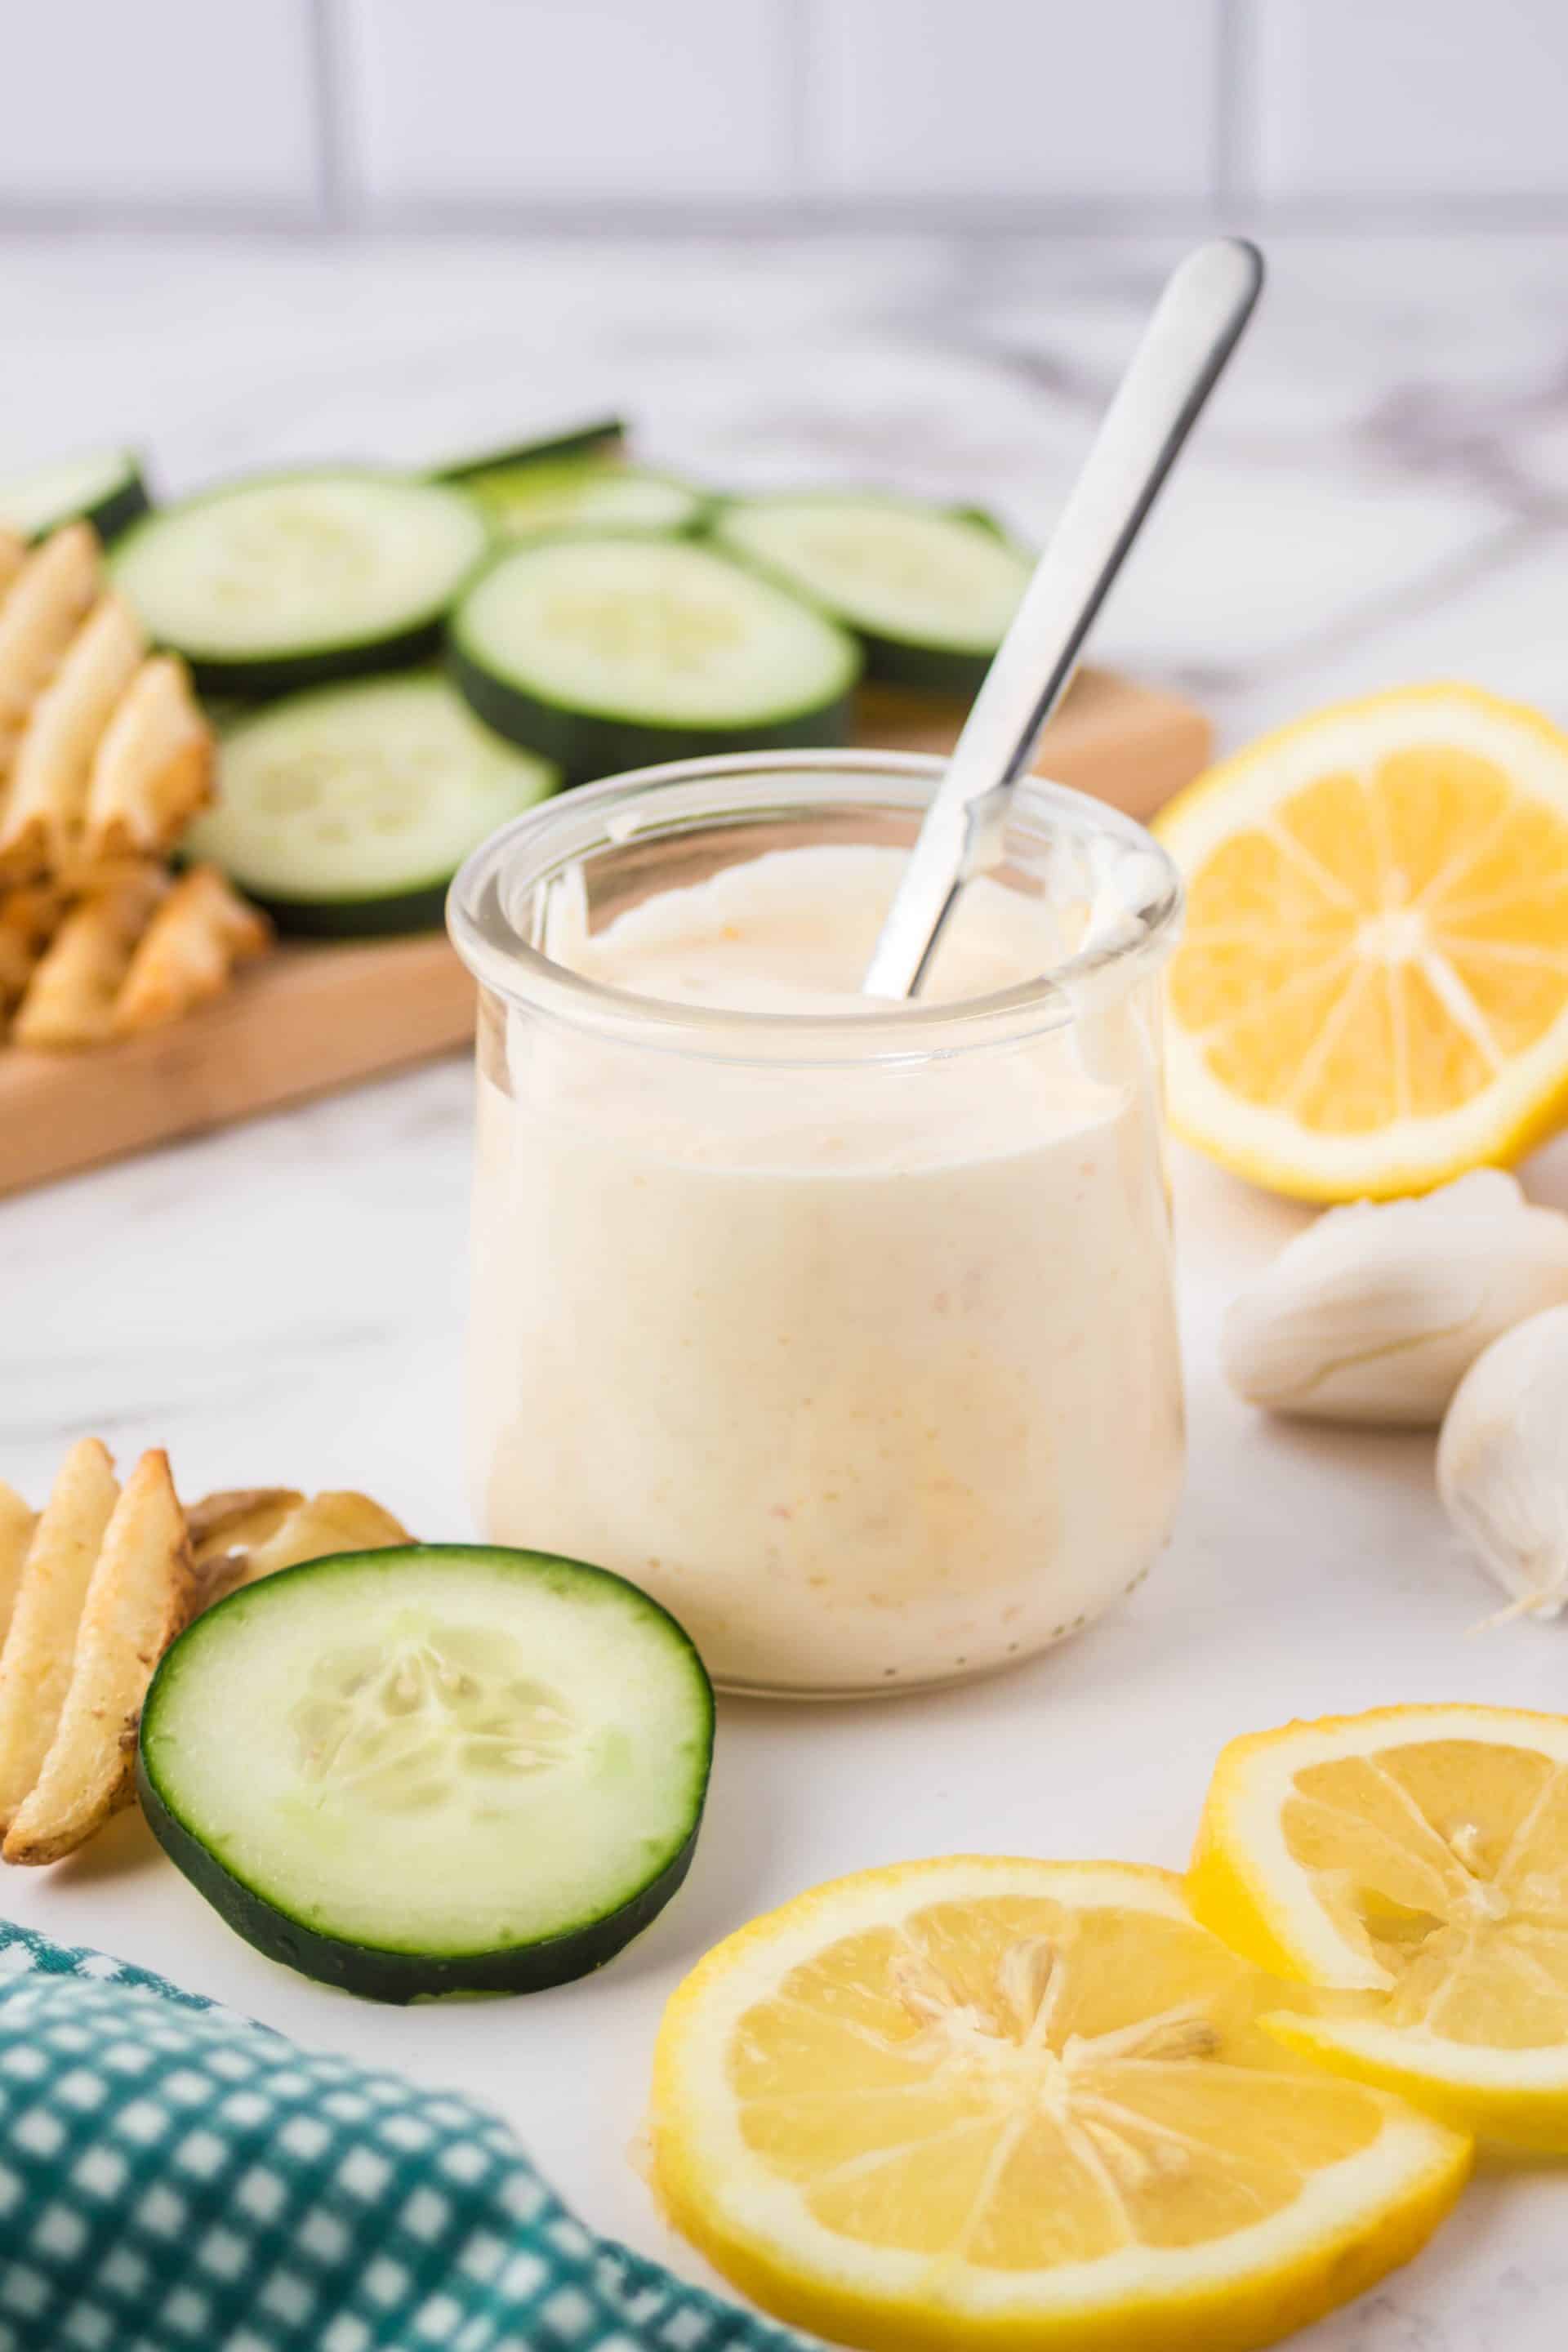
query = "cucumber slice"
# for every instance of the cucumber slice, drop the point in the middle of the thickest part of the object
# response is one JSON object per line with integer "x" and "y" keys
{"x": 930, "y": 590}
{"x": 577, "y": 482}
{"x": 585, "y": 494}
{"x": 104, "y": 488}
{"x": 436, "y": 1770}
{"x": 280, "y": 581}
{"x": 606, "y": 439}
{"x": 349, "y": 808}
{"x": 608, "y": 654}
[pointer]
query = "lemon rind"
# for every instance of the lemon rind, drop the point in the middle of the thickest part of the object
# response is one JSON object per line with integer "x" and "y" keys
{"x": 1463, "y": 718}
{"x": 1503, "y": 2109}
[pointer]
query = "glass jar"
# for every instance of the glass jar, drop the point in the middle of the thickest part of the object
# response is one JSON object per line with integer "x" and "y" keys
{"x": 849, "y": 1335}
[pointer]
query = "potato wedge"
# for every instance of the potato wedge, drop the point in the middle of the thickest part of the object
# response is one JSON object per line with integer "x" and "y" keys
{"x": 137, "y": 1600}
{"x": 226, "y": 1528}
{"x": 201, "y": 931}
{"x": 241, "y": 1537}
{"x": 154, "y": 767}
{"x": 71, "y": 1000}
{"x": 46, "y": 806}
{"x": 37, "y": 1661}
{"x": 50, "y": 596}
{"x": 17, "y": 1525}
{"x": 234, "y": 1519}
{"x": 336, "y": 1520}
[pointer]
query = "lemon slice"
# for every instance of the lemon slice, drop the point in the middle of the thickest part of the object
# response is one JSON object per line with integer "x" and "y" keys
{"x": 1419, "y": 1855}
{"x": 1025, "y": 2104}
{"x": 1373, "y": 992}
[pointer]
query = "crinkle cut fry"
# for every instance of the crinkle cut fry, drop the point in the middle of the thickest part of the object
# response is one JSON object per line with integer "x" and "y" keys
{"x": 105, "y": 755}
{"x": 40, "y": 612}
{"x": 71, "y": 1000}
{"x": 29, "y": 918}
{"x": 40, "y": 828}
{"x": 154, "y": 767}
{"x": 201, "y": 931}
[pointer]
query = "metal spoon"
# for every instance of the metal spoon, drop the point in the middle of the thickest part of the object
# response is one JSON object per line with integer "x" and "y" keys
{"x": 1197, "y": 325}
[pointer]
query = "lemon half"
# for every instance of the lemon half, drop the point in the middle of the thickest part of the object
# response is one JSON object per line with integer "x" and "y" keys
{"x": 993, "y": 2103}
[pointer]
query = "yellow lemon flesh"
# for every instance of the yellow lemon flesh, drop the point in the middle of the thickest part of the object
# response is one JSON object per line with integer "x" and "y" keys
{"x": 1417, "y": 1858}
{"x": 1371, "y": 994}
{"x": 985, "y": 2102}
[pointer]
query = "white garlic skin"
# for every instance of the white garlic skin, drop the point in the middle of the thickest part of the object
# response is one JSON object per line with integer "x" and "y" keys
{"x": 1376, "y": 1312}
{"x": 1502, "y": 1463}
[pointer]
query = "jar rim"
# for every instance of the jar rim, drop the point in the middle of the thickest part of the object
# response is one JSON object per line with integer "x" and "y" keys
{"x": 549, "y": 839}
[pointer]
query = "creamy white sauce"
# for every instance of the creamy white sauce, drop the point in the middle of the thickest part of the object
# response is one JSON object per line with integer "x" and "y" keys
{"x": 869, "y": 1372}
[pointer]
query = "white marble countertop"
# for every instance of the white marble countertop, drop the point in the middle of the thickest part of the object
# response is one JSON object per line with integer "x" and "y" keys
{"x": 1381, "y": 495}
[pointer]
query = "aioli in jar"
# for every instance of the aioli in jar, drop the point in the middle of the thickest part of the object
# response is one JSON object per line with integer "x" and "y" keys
{"x": 869, "y": 1373}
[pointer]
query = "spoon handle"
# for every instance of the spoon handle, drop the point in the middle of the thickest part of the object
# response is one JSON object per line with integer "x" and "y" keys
{"x": 1196, "y": 324}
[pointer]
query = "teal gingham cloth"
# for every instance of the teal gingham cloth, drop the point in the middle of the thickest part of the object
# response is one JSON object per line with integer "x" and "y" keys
{"x": 176, "y": 2179}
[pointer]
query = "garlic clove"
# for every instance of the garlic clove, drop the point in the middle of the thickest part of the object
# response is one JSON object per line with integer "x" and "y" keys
{"x": 1502, "y": 1463}
{"x": 1376, "y": 1312}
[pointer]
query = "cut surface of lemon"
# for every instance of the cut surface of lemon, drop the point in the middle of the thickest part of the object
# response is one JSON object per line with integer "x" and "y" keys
{"x": 985, "y": 2102}
{"x": 1418, "y": 1857}
{"x": 1371, "y": 993}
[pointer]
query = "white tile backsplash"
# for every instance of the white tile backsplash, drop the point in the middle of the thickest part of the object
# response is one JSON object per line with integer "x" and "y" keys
{"x": 1416, "y": 98}
{"x": 1011, "y": 98}
{"x": 498, "y": 102}
{"x": 1164, "y": 113}
{"x": 124, "y": 103}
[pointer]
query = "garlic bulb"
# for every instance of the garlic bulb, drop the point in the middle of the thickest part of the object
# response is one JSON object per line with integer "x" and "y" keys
{"x": 1502, "y": 1463}
{"x": 1376, "y": 1312}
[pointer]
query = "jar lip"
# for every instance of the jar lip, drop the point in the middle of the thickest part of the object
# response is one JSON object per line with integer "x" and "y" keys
{"x": 550, "y": 838}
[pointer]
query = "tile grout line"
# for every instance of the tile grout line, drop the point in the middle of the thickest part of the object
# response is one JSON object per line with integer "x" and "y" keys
{"x": 749, "y": 221}
{"x": 326, "y": 93}
{"x": 1235, "y": 145}
{"x": 741, "y": 221}
{"x": 797, "y": 19}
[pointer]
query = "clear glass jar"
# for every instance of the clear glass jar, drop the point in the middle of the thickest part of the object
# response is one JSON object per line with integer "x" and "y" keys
{"x": 848, "y": 1334}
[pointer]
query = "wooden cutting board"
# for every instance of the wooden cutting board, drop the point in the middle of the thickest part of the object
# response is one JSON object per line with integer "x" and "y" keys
{"x": 309, "y": 1019}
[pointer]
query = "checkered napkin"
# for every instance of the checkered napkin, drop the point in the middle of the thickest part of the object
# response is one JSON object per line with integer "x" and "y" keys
{"x": 174, "y": 2179}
